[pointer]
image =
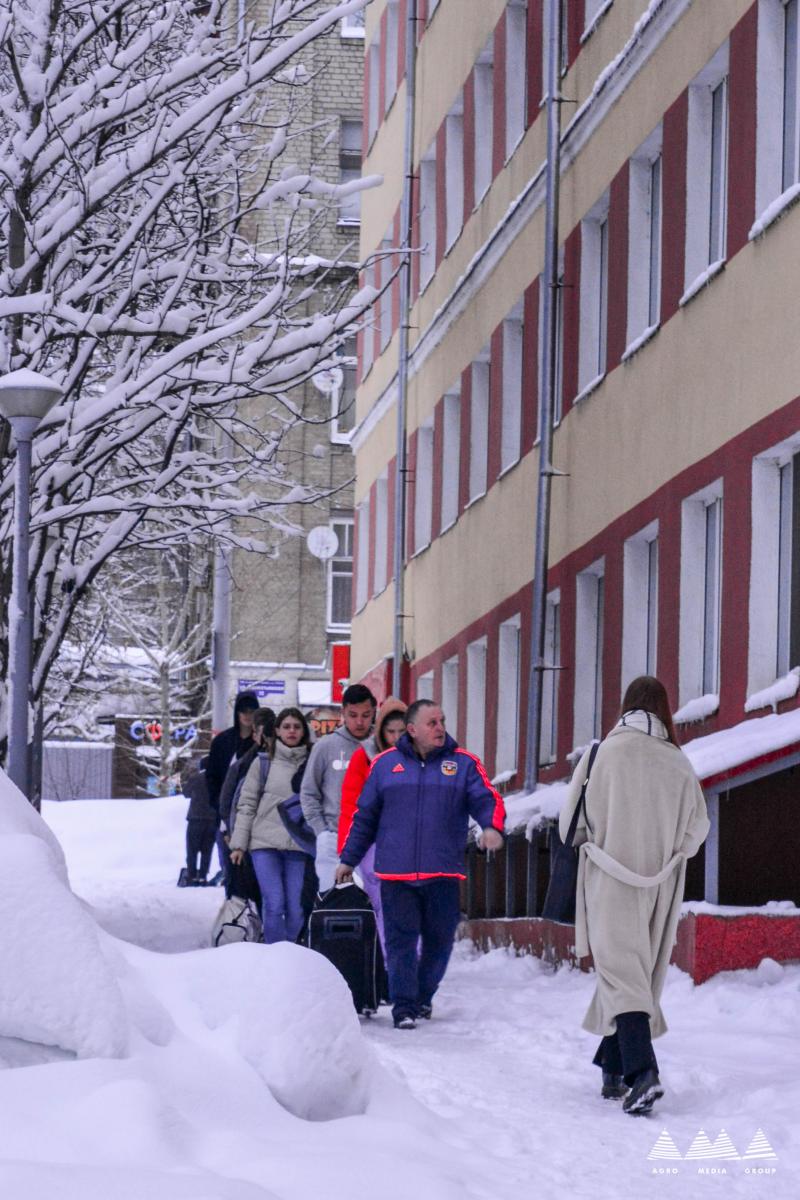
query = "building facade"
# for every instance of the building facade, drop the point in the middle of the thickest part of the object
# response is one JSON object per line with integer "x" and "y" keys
{"x": 290, "y": 608}
{"x": 675, "y": 535}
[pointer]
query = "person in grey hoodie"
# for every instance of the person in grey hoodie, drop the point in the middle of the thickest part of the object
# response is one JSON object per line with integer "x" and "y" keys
{"x": 278, "y": 864}
{"x": 321, "y": 793}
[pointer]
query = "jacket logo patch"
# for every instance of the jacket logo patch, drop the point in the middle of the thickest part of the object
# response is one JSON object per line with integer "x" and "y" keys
{"x": 396, "y": 770}
{"x": 449, "y": 768}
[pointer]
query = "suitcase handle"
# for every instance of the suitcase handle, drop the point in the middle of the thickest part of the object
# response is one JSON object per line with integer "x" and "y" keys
{"x": 343, "y": 927}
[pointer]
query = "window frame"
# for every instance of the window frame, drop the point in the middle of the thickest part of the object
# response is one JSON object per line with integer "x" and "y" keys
{"x": 696, "y": 597}
{"x": 593, "y": 331}
{"x": 331, "y": 625}
{"x": 704, "y": 197}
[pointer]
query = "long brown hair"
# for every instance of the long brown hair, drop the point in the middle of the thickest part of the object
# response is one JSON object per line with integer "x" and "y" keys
{"x": 648, "y": 693}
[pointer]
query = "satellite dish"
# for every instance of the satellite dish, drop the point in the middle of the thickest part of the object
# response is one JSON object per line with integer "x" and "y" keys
{"x": 322, "y": 542}
{"x": 329, "y": 380}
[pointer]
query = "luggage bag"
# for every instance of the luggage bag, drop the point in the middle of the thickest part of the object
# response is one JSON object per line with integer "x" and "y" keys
{"x": 342, "y": 927}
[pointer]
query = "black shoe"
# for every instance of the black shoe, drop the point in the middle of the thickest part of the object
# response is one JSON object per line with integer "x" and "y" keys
{"x": 405, "y": 1023}
{"x": 614, "y": 1086}
{"x": 425, "y": 1011}
{"x": 644, "y": 1092}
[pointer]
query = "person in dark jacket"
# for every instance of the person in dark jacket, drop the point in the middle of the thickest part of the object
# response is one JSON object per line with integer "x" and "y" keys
{"x": 415, "y": 807}
{"x": 241, "y": 880}
{"x": 230, "y": 744}
{"x": 201, "y": 824}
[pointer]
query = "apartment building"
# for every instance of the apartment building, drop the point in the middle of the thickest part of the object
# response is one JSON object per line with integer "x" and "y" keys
{"x": 675, "y": 534}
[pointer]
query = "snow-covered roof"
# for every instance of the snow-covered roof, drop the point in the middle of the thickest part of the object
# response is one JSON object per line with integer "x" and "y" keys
{"x": 717, "y": 757}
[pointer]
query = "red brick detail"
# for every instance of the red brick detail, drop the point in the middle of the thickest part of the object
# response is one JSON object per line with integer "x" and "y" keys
{"x": 411, "y": 493}
{"x": 612, "y": 635}
{"x": 391, "y": 484}
{"x": 572, "y": 311}
{"x": 575, "y": 15}
{"x": 742, "y": 135}
{"x": 384, "y": 25}
{"x": 464, "y": 433}
{"x": 530, "y": 366}
{"x": 438, "y": 446}
{"x": 495, "y": 406}
{"x": 373, "y": 524}
{"x": 422, "y": 18}
{"x": 737, "y": 536}
{"x": 669, "y": 595}
{"x": 673, "y": 237}
{"x": 469, "y": 146}
{"x": 402, "y": 22}
{"x": 617, "y": 268}
{"x": 499, "y": 98}
{"x": 441, "y": 192}
{"x": 535, "y": 58}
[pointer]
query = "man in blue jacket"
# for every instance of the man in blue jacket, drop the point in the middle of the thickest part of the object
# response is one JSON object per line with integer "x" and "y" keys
{"x": 415, "y": 807}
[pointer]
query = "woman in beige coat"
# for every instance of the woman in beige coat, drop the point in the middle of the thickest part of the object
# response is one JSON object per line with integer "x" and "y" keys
{"x": 279, "y": 865}
{"x": 644, "y": 816}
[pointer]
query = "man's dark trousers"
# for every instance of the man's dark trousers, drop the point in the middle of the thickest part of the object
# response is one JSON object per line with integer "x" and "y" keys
{"x": 429, "y": 911}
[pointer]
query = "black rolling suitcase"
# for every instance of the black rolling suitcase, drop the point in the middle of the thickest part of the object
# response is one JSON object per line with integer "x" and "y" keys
{"x": 342, "y": 927}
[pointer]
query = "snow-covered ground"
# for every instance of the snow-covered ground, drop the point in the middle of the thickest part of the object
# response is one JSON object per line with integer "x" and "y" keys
{"x": 494, "y": 1099}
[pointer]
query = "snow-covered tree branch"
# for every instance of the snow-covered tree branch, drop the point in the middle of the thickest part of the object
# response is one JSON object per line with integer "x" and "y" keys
{"x": 157, "y": 260}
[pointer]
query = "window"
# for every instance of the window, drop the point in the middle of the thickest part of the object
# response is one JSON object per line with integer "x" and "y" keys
{"x": 427, "y": 215}
{"x": 392, "y": 40}
{"x": 454, "y": 171}
{"x": 558, "y": 386}
{"x": 701, "y": 591}
{"x": 484, "y": 119}
{"x": 386, "y": 294}
{"x": 423, "y": 494}
{"x": 350, "y": 170}
{"x": 368, "y": 342}
{"x": 563, "y": 42}
{"x": 424, "y": 690}
{"x": 511, "y": 429}
{"x": 432, "y": 7}
{"x": 640, "y": 604}
{"x": 594, "y": 297}
{"x": 374, "y": 54}
{"x": 381, "y": 571}
{"x": 777, "y": 102}
{"x": 589, "y": 631}
{"x": 508, "y": 696}
{"x": 353, "y": 26}
{"x": 548, "y": 742}
{"x": 707, "y": 171}
{"x": 340, "y": 577}
{"x": 451, "y": 458}
{"x": 594, "y": 10}
{"x": 476, "y": 697}
{"x": 516, "y": 72}
{"x": 479, "y": 428}
{"x": 774, "y": 624}
{"x": 644, "y": 241}
{"x": 450, "y": 694}
{"x": 343, "y": 395}
{"x": 791, "y": 125}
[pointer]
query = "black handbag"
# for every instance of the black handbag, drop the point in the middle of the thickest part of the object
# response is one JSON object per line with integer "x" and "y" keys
{"x": 559, "y": 903}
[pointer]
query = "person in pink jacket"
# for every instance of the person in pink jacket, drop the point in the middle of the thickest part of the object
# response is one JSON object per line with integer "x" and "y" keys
{"x": 390, "y": 724}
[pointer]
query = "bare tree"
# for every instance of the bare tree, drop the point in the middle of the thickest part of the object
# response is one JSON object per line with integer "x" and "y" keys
{"x": 157, "y": 254}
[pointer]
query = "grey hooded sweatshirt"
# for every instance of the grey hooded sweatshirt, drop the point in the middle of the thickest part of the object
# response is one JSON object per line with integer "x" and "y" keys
{"x": 321, "y": 791}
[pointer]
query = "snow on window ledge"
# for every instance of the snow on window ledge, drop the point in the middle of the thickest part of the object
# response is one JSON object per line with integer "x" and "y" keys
{"x": 785, "y": 201}
{"x": 640, "y": 341}
{"x": 591, "y": 386}
{"x": 782, "y": 689}
{"x": 697, "y": 710}
{"x": 595, "y": 21}
{"x": 703, "y": 278}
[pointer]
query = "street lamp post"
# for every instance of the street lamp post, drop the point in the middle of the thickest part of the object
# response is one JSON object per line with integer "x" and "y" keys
{"x": 25, "y": 398}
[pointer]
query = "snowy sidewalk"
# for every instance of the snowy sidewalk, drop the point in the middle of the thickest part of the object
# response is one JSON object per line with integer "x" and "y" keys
{"x": 504, "y": 1058}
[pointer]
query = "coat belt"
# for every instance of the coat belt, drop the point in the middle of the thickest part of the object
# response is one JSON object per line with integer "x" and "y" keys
{"x": 617, "y": 871}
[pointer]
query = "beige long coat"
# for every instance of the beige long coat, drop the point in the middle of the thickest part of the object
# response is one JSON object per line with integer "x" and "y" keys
{"x": 646, "y": 816}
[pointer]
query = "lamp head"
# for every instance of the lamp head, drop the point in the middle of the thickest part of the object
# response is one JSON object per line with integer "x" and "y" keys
{"x": 27, "y": 395}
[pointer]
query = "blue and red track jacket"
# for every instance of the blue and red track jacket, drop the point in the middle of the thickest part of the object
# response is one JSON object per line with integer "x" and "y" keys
{"x": 416, "y": 811}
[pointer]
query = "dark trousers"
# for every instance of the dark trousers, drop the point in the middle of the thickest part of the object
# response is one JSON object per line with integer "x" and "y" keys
{"x": 629, "y": 1051}
{"x": 200, "y": 837}
{"x": 426, "y": 913}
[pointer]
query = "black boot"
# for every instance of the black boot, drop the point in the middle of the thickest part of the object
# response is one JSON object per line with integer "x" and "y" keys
{"x": 614, "y": 1086}
{"x": 645, "y": 1090}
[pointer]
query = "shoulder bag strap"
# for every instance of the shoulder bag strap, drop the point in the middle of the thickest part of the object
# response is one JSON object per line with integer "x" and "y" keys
{"x": 573, "y": 825}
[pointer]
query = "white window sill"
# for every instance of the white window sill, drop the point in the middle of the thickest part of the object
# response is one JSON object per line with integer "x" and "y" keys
{"x": 771, "y": 213}
{"x": 640, "y": 341}
{"x": 421, "y": 550}
{"x": 448, "y": 526}
{"x": 474, "y": 499}
{"x": 341, "y": 439}
{"x": 340, "y": 628}
{"x": 699, "y": 709}
{"x": 352, "y": 34}
{"x": 591, "y": 386}
{"x": 508, "y": 467}
{"x": 702, "y": 280}
{"x": 379, "y": 591}
{"x": 785, "y": 688}
{"x": 344, "y": 223}
{"x": 511, "y": 151}
{"x": 596, "y": 19}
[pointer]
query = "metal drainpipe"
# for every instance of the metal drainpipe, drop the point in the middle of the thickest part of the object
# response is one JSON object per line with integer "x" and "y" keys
{"x": 406, "y": 232}
{"x": 547, "y": 398}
